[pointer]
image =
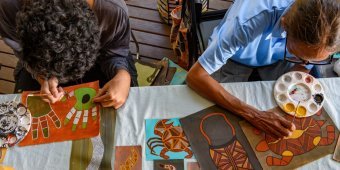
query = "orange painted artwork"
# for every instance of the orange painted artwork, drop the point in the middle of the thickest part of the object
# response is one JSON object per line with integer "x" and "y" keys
{"x": 74, "y": 117}
{"x": 128, "y": 158}
{"x": 313, "y": 138}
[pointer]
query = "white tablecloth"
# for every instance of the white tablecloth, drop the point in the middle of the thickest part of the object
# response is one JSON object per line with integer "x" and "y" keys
{"x": 179, "y": 101}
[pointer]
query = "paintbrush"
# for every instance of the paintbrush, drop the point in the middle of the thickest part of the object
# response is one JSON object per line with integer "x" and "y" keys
{"x": 38, "y": 94}
{"x": 295, "y": 112}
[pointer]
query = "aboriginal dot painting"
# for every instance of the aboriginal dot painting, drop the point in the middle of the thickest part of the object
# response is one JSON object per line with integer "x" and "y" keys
{"x": 74, "y": 117}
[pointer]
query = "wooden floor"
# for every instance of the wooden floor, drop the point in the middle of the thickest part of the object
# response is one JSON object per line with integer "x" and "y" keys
{"x": 151, "y": 33}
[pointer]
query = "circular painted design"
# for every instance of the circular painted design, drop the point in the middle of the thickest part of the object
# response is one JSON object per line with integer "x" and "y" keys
{"x": 298, "y": 93}
{"x": 15, "y": 122}
{"x": 8, "y": 122}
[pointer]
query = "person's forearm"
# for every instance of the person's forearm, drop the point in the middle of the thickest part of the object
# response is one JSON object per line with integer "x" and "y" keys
{"x": 207, "y": 87}
{"x": 270, "y": 122}
{"x": 123, "y": 74}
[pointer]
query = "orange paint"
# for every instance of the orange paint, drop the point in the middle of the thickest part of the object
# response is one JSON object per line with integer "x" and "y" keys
{"x": 262, "y": 146}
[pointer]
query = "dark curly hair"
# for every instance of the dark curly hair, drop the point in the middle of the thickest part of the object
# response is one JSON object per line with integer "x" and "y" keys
{"x": 60, "y": 38}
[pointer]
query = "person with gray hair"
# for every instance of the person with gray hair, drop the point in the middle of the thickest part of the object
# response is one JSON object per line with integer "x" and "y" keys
{"x": 67, "y": 42}
{"x": 266, "y": 38}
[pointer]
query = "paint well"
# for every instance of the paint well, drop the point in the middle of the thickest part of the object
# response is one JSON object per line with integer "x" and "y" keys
{"x": 282, "y": 87}
{"x": 298, "y": 76}
{"x": 287, "y": 79}
{"x": 313, "y": 107}
{"x": 282, "y": 97}
{"x": 289, "y": 107}
{"x": 301, "y": 111}
{"x": 317, "y": 87}
{"x": 309, "y": 79}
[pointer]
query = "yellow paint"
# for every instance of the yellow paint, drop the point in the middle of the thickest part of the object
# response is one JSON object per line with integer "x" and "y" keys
{"x": 6, "y": 167}
{"x": 296, "y": 134}
{"x": 287, "y": 153}
{"x": 301, "y": 111}
{"x": 316, "y": 140}
{"x": 2, "y": 154}
{"x": 289, "y": 107}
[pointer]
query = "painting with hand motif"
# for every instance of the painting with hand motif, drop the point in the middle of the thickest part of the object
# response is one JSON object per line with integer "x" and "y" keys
{"x": 76, "y": 116}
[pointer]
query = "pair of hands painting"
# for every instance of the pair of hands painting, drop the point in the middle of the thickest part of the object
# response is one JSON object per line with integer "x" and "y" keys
{"x": 271, "y": 122}
{"x": 267, "y": 121}
{"x": 113, "y": 94}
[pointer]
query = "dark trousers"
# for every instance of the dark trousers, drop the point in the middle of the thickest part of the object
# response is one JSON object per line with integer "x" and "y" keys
{"x": 25, "y": 82}
{"x": 236, "y": 72}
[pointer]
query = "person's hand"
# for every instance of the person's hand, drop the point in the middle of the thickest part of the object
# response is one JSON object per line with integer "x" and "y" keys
{"x": 272, "y": 124}
{"x": 50, "y": 91}
{"x": 115, "y": 92}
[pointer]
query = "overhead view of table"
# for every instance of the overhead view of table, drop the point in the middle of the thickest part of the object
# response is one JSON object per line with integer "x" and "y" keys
{"x": 181, "y": 101}
{"x": 126, "y": 127}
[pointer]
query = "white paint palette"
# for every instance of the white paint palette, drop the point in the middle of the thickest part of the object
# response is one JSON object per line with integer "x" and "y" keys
{"x": 299, "y": 92}
{"x": 15, "y": 122}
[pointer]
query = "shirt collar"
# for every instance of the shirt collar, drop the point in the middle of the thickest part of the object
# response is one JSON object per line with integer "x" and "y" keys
{"x": 278, "y": 30}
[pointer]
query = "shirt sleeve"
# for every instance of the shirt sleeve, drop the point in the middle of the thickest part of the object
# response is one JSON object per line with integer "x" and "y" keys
{"x": 115, "y": 39}
{"x": 231, "y": 36}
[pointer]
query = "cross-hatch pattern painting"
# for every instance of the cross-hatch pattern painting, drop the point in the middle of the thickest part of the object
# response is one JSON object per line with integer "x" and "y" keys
{"x": 170, "y": 138}
{"x": 230, "y": 155}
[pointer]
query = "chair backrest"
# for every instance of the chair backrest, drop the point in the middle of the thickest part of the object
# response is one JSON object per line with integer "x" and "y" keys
{"x": 206, "y": 24}
{"x": 191, "y": 9}
{"x": 200, "y": 26}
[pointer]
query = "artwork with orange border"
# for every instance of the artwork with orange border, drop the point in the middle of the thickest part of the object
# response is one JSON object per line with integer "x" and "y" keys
{"x": 314, "y": 137}
{"x": 217, "y": 140}
{"x": 74, "y": 117}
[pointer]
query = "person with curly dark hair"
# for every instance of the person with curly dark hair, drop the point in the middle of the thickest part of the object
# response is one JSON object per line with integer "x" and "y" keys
{"x": 66, "y": 42}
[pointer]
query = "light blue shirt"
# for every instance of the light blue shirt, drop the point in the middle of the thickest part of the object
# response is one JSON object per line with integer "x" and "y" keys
{"x": 250, "y": 33}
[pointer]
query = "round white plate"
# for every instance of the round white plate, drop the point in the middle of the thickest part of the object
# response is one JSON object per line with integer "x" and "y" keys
{"x": 300, "y": 92}
{"x": 15, "y": 122}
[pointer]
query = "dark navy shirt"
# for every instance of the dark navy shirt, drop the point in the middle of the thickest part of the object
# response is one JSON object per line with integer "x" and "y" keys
{"x": 114, "y": 26}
